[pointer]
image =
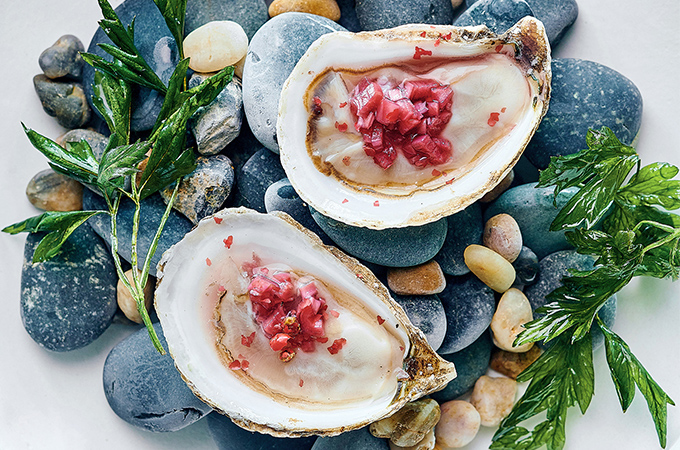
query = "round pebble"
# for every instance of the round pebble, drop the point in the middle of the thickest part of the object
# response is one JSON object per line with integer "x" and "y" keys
{"x": 348, "y": 15}
{"x": 215, "y": 45}
{"x": 63, "y": 100}
{"x": 427, "y": 313}
{"x": 427, "y": 443}
{"x": 490, "y": 267}
{"x": 512, "y": 364}
{"x": 458, "y": 426}
{"x": 63, "y": 58}
{"x": 127, "y": 303}
{"x": 526, "y": 267}
{"x": 512, "y": 312}
{"x": 502, "y": 235}
{"x": 360, "y": 439}
{"x": 425, "y": 279}
{"x": 51, "y": 191}
{"x": 326, "y": 8}
{"x": 493, "y": 399}
{"x": 464, "y": 228}
{"x": 229, "y": 436}
{"x": 410, "y": 424}
{"x": 257, "y": 174}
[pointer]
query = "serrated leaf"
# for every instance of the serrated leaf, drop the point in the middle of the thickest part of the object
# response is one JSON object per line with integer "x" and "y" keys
{"x": 120, "y": 162}
{"x": 125, "y": 72}
{"x": 174, "y": 12}
{"x": 112, "y": 97}
{"x": 653, "y": 185}
{"x": 174, "y": 97}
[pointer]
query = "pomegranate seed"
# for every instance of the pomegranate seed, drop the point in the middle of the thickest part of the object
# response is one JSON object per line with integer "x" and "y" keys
{"x": 248, "y": 340}
{"x": 494, "y": 117}
{"x": 208, "y": 262}
{"x": 380, "y": 320}
{"x": 342, "y": 105}
{"x": 301, "y": 382}
{"x": 334, "y": 313}
{"x": 376, "y": 203}
{"x": 236, "y": 365}
{"x": 344, "y": 200}
{"x": 337, "y": 346}
{"x": 228, "y": 241}
{"x": 217, "y": 220}
{"x": 245, "y": 364}
{"x": 420, "y": 52}
{"x": 345, "y": 160}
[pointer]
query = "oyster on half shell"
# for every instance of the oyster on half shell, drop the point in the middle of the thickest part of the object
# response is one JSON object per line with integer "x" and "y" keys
{"x": 285, "y": 335}
{"x": 403, "y": 126}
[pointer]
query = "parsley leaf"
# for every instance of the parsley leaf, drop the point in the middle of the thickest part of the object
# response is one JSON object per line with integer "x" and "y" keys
{"x": 174, "y": 12}
{"x": 112, "y": 97}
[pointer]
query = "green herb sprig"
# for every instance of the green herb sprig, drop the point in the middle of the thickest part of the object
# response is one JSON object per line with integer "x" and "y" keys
{"x": 638, "y": 236}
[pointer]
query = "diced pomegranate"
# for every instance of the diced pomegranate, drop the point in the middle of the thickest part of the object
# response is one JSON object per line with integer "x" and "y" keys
{"x": 388, "y": 112}
{"x": 365, "y": 97}
{"x": 337, "y": 346}
{"x": 443, "y": 94}
{"x": 279, "y": 342}
{"x": 432, "y": 109}
{"x": 419, "y": 89}
{"x": 385, "y": 158}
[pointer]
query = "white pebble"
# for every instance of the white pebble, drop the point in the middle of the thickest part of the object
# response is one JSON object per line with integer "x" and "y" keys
{"x": 458, "y": 425}
{"x": 127, "y": 304}
{"x": 493, "y": 398}
{"x": 490, "y": 267}
{"x": 512, "y": 312}
{"x": 215, "y": 45}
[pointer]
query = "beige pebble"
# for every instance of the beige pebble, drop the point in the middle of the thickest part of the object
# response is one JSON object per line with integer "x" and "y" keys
{"x": 238, "y": 68}
{"x": 325, "y": 8}
{"x": 493, "y": 399}
{"x": 512, "y": 312}
{"x": 503, "y": 236}
{"x": 424, "y": 279}
{"x": 456, "y": 3}
{"x": 410, "y": 424}
{"x": 127, "y": 304}
{"x": 215, "y": 45}
{"x": 501, "y": 187}
{"x": 490, "y": 267}
{"x": 426, "y": 444}
{"x": 458, "y": 425}
{"x": 52, "y": 191}
{"x": 512, "y": 364}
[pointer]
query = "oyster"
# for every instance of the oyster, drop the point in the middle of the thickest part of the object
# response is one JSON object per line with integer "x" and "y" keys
{"x": 285, "y": 335}
{"x": 404, "y": 126}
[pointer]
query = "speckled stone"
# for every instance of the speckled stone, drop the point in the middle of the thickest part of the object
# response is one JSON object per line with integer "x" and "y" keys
{"x": 378, "y": 14}
{"x": 425, "y": 279}
{"x": 471, "y": 363}
{"x": 427, "y": 313}
{"x": 145, "y": 389}
{"x": 250, "y": 14}
{"x": 469, "y": 305}
{"x": 584, "y": 95}
{"x": 348, "y": 15}
{"x": 325, "y": 8}
{"x": 63, "y": 100}
{"x": 203, "y": 191}
{"x": 152, "y": 210}
{"x": 229, "y": 436}
{"x": 360, "y": 439}
{"x": 511, "y": 364}
{"x": 526, "y": 267}
{"x": 256, "y": 175}
{"x": 97, "y": 141}
{"x": 274, "y": 50}
{"x": 464, "y": 228}
{"x": 68, "y": 301}
{"x": 51, "y": 191}
{"x": 391, "y": 247}
{"x": 63, "y": 58}
{"x": 497, "y": 15}
{"x": 533, "y": 210}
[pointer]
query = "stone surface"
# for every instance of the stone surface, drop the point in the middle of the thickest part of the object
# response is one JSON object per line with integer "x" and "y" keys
{"x": 51, "y": 191}
{"x": 215, "y": 45}
{"x": 250, "y": 14}
{"x": 427, "y": 443}
{"x": 490, "y": 267}
{"x": 425, "y": 279}
{"x": 68, "y": 301}
{"x": 274, "y": 50}
{"x": 97, "y": 141}
{"x": 360, "y": 439}
{"x": 512, "y": 364}
{"x": 469, "y": 307}
{"x": 497, "y": 15}
{"x": 256, "y": 175}
{"x": 464, "y": 228}
{"x": 526, "y": 267}
{"x": 63, "y": 100}
{"x": 427, "y": 313}
{"x": 502, "y": 235}
{"x": 63, "y": 58}
{"x": 493, "y": 399}
{"x": 391, "y": 247}
{"x": 584, "y": 94}
{"x": 410, "y": 424}
{"x": 229, "y": 436}
{"x": 458, "y": 426}
{"x": 145, "y": 389}
{"x": 512, "y": 312}
{"x": 325, "y": 8}
{"x": 378, "y": 14}
{"x": 127, "y": 303}
{"x": 348, "y": 15}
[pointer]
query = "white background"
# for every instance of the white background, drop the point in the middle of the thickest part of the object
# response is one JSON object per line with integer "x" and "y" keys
{"x": 56, "y": 401}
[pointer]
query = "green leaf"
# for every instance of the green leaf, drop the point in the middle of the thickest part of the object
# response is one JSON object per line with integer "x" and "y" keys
{"x": 125, "y": 72}
{"x": 112, "y": 97}
{"x": 174, "y": 12}
{"x": 174, "y": 97}
{"x": 653, "y": 185}
{"x": 121, "y": 162}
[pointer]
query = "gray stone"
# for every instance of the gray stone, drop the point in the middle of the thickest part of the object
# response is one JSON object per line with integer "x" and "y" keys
{"x": 52, "y": 191}
{"x": 378, "y": 14}
{"x": 68, "y": 301}
{"x": 464, "y": 228}
{"x": 584, "y": 95}
{"x": 391, "y": 247}
{"x": 256, "y": 175}
{"x": 250, "y": 14}
{"x": 229, "y": 436}
{"x": 526, "y": 267}
{"x": 63, "y": 100}
{"x": 273, "y": 52}
{"x": 97, "y": 141}
{"x": 497, "y": 15}
{"x": 348, "y": 15}
{"x": 63, "y": 58}
{"x": 360, "y": 439}
{"x": 145, "y": 389}
{"x": 427, "y": 313}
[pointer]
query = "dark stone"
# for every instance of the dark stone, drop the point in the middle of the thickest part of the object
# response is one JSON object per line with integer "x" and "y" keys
{"x": 378, "y": 14}
{"x": 464, "y": 228}
{"x": 145, "y": 389}
{"x": 241, "y": 149}
{"x": 250, "y": 14}
{"x": 469, "y": 305}
{"x": 63, "y": 100}
{"x": 256, "y": 175}
{"x": 525, "y": 172}
{"x": 68, "y": 301}
{"x": 526, "y": 267}
{"x": 471, "y": 363}
{"x": 348, "y": 15}
{"x": 391, "y": 247}
{"x": 272, "y": 54}
{"x": 584, "y": 95}
{"x": 360, "y": 439}
{"x": 427, "y": 313}
{"x": 63, "y": 58}
{"x": 497, "y": 15}
{"x": 229, "y": 436}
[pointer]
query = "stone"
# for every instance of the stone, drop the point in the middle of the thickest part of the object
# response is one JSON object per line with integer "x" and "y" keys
{"x": 469, "y": 307}
{"x": 97, "y": 141}
{"x": 502, "y": 235}
{"x": 501, "y": 187}
{"x": 250, "y": 14}
{"x": 215, "y": 45}
{"x": 274, "y": 50}
{"x": 215, "y": 126}
{"x": 427, "y": 443}
{"x": 464, "y": 228}
{"x": 458, "y": 426}
{"x": 348, "y": 16}
{"x": 256, "y": 175}
{"x": 68, "y": 301}
{"x": 152, "y": 210}
{"x": 526, "y": 267}
{"x": 525, "y": 172}
{"x": 512, "y": 312}
{"x": 512, "y": 364}
{"x": 360, "y": 439}
{"x": 427, "y": 313}
{"x": 391, "y": 247}
{"x": 533, "y": 210}
{"x": 490, "y": 267}
{"x": 51, "y": 191}
{"x": 493, "y": 399}
{"x": 425, "y": 279}
{"x": 127, "y": 303}
{"x": 410, "y": 424}
{"x": 63, "y": 100}
{"x": 378, "y": 14}
{"x": 145, "y": 389}
{"x": 229, "y": 436}
{"x": 325, "y": 8}
{"x": 584, "y": 94}
{"x": 63, "y": 58}
{"x": 471, "y": 363}
{"x": 497, "y": 15}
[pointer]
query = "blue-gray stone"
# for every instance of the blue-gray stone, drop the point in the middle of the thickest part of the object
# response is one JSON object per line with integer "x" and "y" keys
{"x": 96, "y": 141}
{"x": 391, "y": 247}
{"x": 497, "y": 15}
{"x": 63, "y": 58}
{"x": 348, "y": 15}
{"x": 250, "y": 14}
{"x": 68, "y": 301}
{"x": 63, "y": 100}
{"x": 378, "y": 14}
{"x": 229, "y": 436}
{"x": 469, "y": 305}
{"x": 464, "y": 228}
{"x": 360, "y": 439}
{"x": 533, "y": 210}
{"x": 584, "y": 95}
{"x": 427, "y": 313}
{"x": 151, "y": 212}
{"x": 256, "y": 175}
{"x": 272, "y": 54}
{"x": 526, "y": 267}
{"x": 471, "y": 363}
{"x": 145, "y": 389}
{"x": 525, "y": 172}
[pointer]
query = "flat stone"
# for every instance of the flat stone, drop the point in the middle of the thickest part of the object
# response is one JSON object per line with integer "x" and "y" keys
{"x": 511, "y": 364}
{"x": 378, "y": 14}
{"x": 229, "y": 436}
{"x": 274, "y": 50}
{"x": 51, "y": 191}
{"x": 68, "y": 301}
{"x": 584, "y": 94}
{"x": 497, "y": 15}
{"x": 250, "y": 14}
{"x": 63, "y": 58}
{"x": 63, "y": 100}
{"x": 425, "y": 279}
{"x": 348, "y": 15}
{"x": 97, "y": 141}
{"x": 464, "y": 228}
{"x": 256, "y": 175}
{"x": 360, "y": 439}
{"x": 145, "y": 389}
{"x": 427, "y": 313}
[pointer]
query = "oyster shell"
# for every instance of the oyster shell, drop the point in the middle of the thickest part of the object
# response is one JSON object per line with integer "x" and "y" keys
{"x": 206, "y": 304}
{"x": 501, "y": 87}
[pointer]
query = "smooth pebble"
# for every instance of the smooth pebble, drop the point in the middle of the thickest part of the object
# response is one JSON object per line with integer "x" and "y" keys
{"x": 127, "y": 303}
{"x": 458, "y": 425}
{"x": 360, "y": 439}
{"x": 229, "y": 436}
{"x": 502, "y": 235}
{"x": 425, "y": 279}
{"x": 52, "y": 191}
{"x": 63, "y": 58}
{"x": 410, "y": 424}
{"x": 63, "y": 100}
{"x": 427, "y": 313}
{"x": 250, "y": 14}
{"x": 427, "y": 443}
{"x": 526, "y": 267}
{"x": 497, "y": 15}
{"x": 215, "y": 45}
{"x": 95, "y": 140}
{"x": 512, "y": 312}
{"x": 257, "y": 174}
{"x": 490, "y": 267}
{"x": 464, "y": 228}
{"x": 511, "y": 364}
{"x": 325, "y": 8}
{"x": 493, "y": 399}
{"x": 379, "y": 14}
